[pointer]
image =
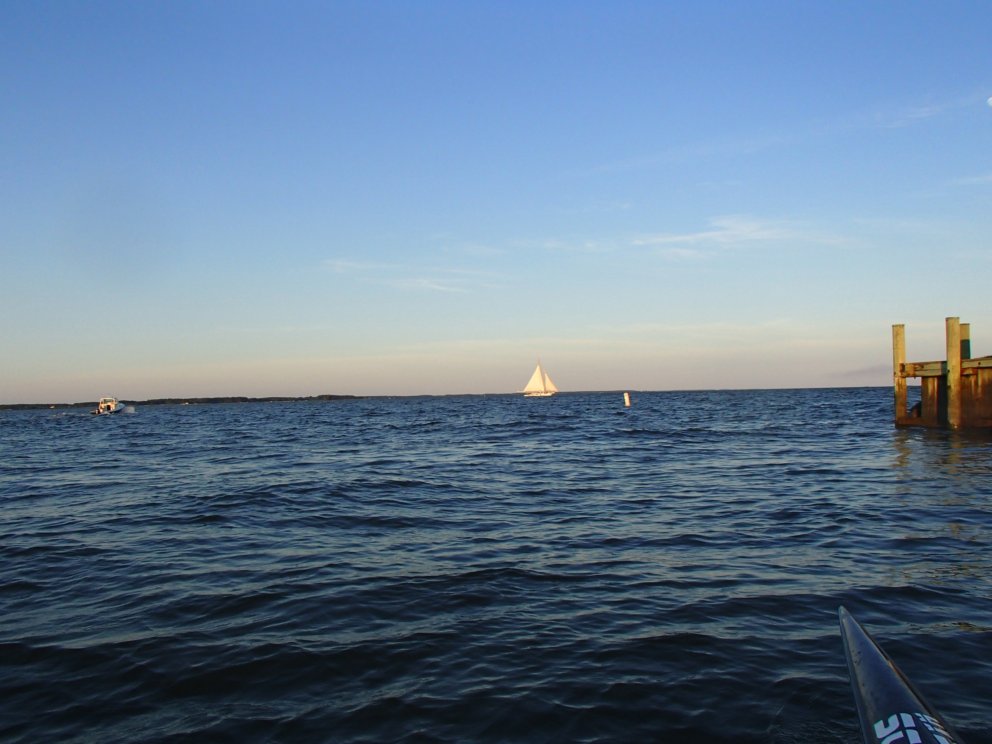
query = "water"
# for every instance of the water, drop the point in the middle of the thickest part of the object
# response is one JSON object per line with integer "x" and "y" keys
{"x": 486, "y": 569}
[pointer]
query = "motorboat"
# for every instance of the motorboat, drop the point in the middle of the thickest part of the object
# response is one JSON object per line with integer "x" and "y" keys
{"x": 107, "y": 406}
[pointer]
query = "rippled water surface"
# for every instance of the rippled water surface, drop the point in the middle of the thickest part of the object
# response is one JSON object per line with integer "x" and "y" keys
{"x": 487, "y": 568}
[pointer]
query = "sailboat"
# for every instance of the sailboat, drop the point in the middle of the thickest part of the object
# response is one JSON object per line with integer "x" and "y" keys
{"x": 540, "y": 385}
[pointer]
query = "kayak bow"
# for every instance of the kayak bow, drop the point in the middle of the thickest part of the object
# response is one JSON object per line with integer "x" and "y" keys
{"x": 891, "y": 710}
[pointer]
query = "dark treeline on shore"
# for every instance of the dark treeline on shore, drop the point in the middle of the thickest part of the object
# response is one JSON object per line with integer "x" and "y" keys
{"x": 180, "y": 401}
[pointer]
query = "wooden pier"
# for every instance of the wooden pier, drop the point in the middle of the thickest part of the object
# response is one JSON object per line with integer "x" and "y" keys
{"x": 955, "y": 393}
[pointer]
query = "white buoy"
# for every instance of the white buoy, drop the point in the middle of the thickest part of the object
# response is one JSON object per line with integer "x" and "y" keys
{"x": 626, "y": 399}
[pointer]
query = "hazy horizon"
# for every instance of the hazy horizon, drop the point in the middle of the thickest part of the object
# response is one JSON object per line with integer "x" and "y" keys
{"x": 277, "y": 397}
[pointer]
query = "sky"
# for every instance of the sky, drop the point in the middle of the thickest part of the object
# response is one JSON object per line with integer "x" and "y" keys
{"x": 401, "y": 198}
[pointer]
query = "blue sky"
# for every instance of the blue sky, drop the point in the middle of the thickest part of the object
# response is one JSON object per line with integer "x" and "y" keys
{"x": 262, "y": 198}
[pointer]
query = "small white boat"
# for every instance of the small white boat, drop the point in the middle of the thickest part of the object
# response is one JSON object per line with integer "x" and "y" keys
{"x": 539, "y": 385}
{"x": 106, "y": 406}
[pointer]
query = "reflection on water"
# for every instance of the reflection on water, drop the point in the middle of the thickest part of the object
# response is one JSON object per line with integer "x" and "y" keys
{"x": 964, "y": 453}
{"x": 944, "y": 492}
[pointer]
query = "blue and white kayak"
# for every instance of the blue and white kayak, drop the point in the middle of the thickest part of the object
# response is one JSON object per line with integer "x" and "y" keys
{"x": 891, "y": 709}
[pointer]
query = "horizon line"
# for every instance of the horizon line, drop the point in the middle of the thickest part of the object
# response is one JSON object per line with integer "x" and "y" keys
{"x": 334, "y": 397}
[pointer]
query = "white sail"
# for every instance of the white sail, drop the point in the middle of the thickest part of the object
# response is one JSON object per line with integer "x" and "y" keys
{"x": 536, "y": 382}
{"x": 540, "y": 383}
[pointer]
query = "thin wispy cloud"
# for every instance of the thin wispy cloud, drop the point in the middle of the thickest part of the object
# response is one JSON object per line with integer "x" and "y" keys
{"x": 730, "y": 147}
{"x": 681, "y": 254}
{"x": 423, "y": 284}
{"x": 596, "y": 207}
{"x": 450, "y": 279}
{"x": 478, "y": 250}
{"x": 980, "y": 180}
{"x": 908, "y": 117}
{"x": 698, "y": 330}
{"x": 467, "y": 273}
{"x": 725, "y": 231}
{"x": 588, "y": 246}
{"x": 347, "y": 266}
{"x": 722, "y": 233}
{"x": 274, "y": 329}
{"x": 899, "y": 117}
{"x": 745, "y": 144}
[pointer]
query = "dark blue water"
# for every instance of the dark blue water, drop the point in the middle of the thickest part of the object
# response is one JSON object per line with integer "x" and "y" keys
{"x": 486, "y": 569}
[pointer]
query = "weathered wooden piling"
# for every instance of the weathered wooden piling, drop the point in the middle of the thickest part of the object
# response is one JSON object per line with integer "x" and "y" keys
{"x": 898, "y": 366}
{"x": 952, "y": 372}
{"x": 955, "y": 393}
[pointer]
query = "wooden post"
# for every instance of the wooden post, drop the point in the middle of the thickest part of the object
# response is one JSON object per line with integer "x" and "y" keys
{"x": 953, "y": 377}
{"x": 898, "y": 362}
{"x": 966, "y": 340}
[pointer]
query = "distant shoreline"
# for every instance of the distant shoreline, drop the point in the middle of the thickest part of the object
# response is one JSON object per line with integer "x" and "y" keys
{"x": 318, "y": 398}
{"x": 181, "y": 401}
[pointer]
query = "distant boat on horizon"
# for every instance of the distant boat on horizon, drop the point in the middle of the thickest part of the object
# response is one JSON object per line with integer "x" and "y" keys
{"x": 539, "y": 385}
{"x": 107, "y": 406}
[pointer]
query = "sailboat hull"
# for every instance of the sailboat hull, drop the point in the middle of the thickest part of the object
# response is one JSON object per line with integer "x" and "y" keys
{"x": 538, "y": 395}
